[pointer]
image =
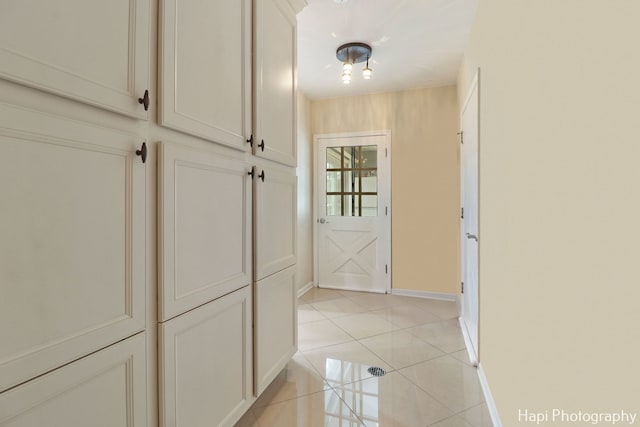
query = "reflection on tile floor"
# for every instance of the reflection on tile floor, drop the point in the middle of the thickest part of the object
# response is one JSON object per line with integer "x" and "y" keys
{"x": 418, "y": 342}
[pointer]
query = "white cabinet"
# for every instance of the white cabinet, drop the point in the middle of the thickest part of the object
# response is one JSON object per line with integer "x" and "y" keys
{"x": 276, "y": 332}
{"x": 93, "y": 51}
{"x": 206, "y": 364}
{"x": 274, "y": 81}
{"x": 275, "y": 215}
{"x": 105, "y": 389}
{"x": 205, "y": 69}
{"x": 205, "y": 227}
{"x": 72, "y": 241}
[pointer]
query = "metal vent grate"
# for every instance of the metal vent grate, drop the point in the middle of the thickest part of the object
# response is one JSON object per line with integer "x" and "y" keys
{"x": 376, "y": 371}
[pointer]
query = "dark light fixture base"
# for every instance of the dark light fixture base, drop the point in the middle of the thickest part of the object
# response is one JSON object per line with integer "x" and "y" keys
{"x": 353, "y": 52}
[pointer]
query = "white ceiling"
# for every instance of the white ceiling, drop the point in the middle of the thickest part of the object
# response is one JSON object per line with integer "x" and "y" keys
{"x": 416, "y": 43}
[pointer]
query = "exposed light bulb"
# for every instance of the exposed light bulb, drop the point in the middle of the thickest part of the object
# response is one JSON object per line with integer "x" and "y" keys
{"x": 366, "y": 73}
{"x": 346, "y": 78}
{"x": 346, "y": 68}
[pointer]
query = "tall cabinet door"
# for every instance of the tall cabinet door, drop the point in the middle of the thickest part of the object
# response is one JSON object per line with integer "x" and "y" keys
{"x": 204, "y": 204}
{"x": 276, "y": 325}
{"x": 72, "y": 241}
{"x": 275, "y": 220}
{"x": 105, "y": 389}
{"x": 93, "y": 51}
{"x": 274, "y": 81}
{"x": 206, "y": 364}
{"x": 205, "y": 69}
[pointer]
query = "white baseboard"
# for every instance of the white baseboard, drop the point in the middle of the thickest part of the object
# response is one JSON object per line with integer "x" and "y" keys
{"x": 424, "y": 294}
{"x": 467, "y": 342}
{"x": 491, "y": 404}
{"x": 304, "y": 289}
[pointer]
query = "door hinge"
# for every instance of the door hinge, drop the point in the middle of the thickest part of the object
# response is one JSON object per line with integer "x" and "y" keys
{"x": 386, "y": 211}
{"x": 386, "y": 153}
{"x": 461, "y": 133}
{"x": 386, "y": 269}
{"x": 462, "y": 287}
{"x": 462, "y": 213}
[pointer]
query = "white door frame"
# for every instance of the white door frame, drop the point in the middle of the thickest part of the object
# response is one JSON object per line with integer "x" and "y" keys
{"x": 473, "y": 349}
{"x": 387, "y": 202}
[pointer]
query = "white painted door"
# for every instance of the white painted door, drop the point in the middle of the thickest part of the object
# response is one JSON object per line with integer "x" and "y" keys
{"x": 274, "y": 81}
{"x": 353, "y": 211}
{"x": 205, "y": 227}
{"x": 206, "y": 364}
{"x": 205, "y": 69}
{"x": 469, "y": 180}
{"x": 276, "y": 325}
{"x": 93, "y": 51}
{"x": 72, "y": 241}
{"x": 105, "y": 389}
{"x": 275, "y": 214}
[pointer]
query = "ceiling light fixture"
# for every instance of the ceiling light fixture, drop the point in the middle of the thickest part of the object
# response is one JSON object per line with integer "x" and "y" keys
{"x": 353, "y": 53}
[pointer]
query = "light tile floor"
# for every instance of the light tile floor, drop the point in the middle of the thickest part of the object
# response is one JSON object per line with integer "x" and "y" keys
{"x": 418, "y": 342}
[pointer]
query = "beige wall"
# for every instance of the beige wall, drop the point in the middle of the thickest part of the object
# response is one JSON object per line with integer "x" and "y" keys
{"x": 424, "y": 175}
{"x": 559, "y": 196}
{"x": 304, "y": 266}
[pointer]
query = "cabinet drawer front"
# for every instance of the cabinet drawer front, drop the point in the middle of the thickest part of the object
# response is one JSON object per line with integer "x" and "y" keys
{"x": 205, "y": 227}
{"x": 105, "y": 389}
{"x": 276, "y": 325}
{"x": 206, "y": 364}
{"x": 276, "y": 213}
{"x": 205, "y": 69}
{"x": 274, "y": 85}
{"x": 72, "y": 241}
{"x": 92, "y": 51}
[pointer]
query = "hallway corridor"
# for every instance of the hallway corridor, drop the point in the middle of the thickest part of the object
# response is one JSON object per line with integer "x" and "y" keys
{"x": 417, "y": 342}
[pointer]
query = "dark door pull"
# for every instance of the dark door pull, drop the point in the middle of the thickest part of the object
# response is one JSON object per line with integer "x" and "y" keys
{"x": 142, "y": 152}
{"x": 261, "y": 176}
{"x": 252, "y": 173}
{"x": 261, "y": 145}
{"x": 250, "y": 140}
{"x": 145, "y": 100}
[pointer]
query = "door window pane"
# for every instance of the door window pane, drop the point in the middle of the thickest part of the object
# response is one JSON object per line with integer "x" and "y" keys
{"x": 352, "y": 180}
{"x": 370, "y": 156}
{"x": 334, "y": 157}
{"x": 369, "y": 205}
{"x": 334, "y": 182}
{"x": 334, "y": 206}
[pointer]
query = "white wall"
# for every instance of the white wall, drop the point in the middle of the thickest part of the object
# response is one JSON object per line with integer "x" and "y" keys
{"x": 559, "y": 196}
{"x": 304, "y": 267}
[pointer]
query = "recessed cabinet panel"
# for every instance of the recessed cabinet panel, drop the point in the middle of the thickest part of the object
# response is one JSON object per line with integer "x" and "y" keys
{"x": 274, "y": 81}
{"x": 72, "y": 241}
{"x": 276, "y": 332}
{"x": 205, "y": 227}
{"x": 105, "y": 389}
{"x": 206, "y": 364}
{"x": 275, "y": 219}
{"x": 205, "y": 69}
{"x": 93, "y": 51}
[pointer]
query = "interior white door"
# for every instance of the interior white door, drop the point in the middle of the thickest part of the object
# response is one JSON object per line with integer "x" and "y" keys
{"x": 92, "y": 51}
{"x": 353, "y": 222}
{"x": 469, "y": 171}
